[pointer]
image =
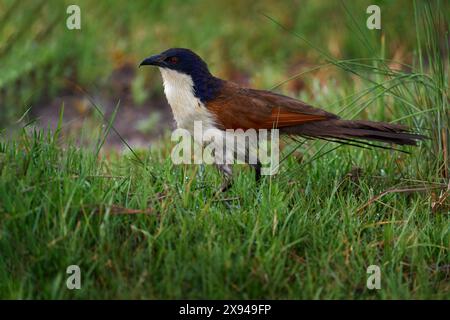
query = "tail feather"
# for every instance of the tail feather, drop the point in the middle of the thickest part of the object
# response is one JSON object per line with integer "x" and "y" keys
{"x": 359, "y": 129}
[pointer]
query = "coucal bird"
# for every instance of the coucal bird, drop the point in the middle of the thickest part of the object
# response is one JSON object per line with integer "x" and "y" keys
{"x": 194, "y": 94}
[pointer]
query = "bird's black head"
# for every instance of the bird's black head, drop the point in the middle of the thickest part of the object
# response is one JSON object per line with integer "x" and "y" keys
{"x": 178, "y": 59}
{"x": 187, "y": 62}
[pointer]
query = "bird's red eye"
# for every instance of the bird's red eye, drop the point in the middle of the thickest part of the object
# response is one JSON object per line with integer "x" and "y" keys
{"x": 172, "y": 60}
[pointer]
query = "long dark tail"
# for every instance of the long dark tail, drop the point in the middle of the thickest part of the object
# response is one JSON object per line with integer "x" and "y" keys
{"x": 344, "y": 130}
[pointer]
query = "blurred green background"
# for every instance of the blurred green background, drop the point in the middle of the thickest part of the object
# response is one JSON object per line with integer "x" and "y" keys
{"x": 43, "y": 64}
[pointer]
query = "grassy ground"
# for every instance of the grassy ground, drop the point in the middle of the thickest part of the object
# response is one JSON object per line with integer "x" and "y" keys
{"x": 141, "y": 227}
{"x": 162, "y": 232}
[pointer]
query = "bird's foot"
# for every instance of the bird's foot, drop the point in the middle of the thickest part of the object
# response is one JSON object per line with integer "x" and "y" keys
{"x": 225, "y": 185}
{"x": 228, "y": 176}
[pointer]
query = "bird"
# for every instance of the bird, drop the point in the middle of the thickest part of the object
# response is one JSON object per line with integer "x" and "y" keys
{"x": 194, "y": 94}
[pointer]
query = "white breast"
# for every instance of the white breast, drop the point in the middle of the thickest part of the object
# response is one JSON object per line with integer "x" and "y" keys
{"x": 186, "y": 108}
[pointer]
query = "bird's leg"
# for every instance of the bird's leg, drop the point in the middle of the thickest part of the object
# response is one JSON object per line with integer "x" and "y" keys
{"x": 251, "y": 150}
{"x": 227, "y": 173}
{"x": 257, "y": 168}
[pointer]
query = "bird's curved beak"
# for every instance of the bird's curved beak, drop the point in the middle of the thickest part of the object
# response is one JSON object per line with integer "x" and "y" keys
{"x": 156, "y": 60}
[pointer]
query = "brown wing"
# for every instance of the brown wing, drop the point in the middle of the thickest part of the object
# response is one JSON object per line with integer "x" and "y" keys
{"x": 240, "y": 108}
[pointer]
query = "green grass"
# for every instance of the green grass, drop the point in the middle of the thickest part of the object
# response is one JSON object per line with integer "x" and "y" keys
{"x": 163, "y": 232}
{"x": 145, "y": 228}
